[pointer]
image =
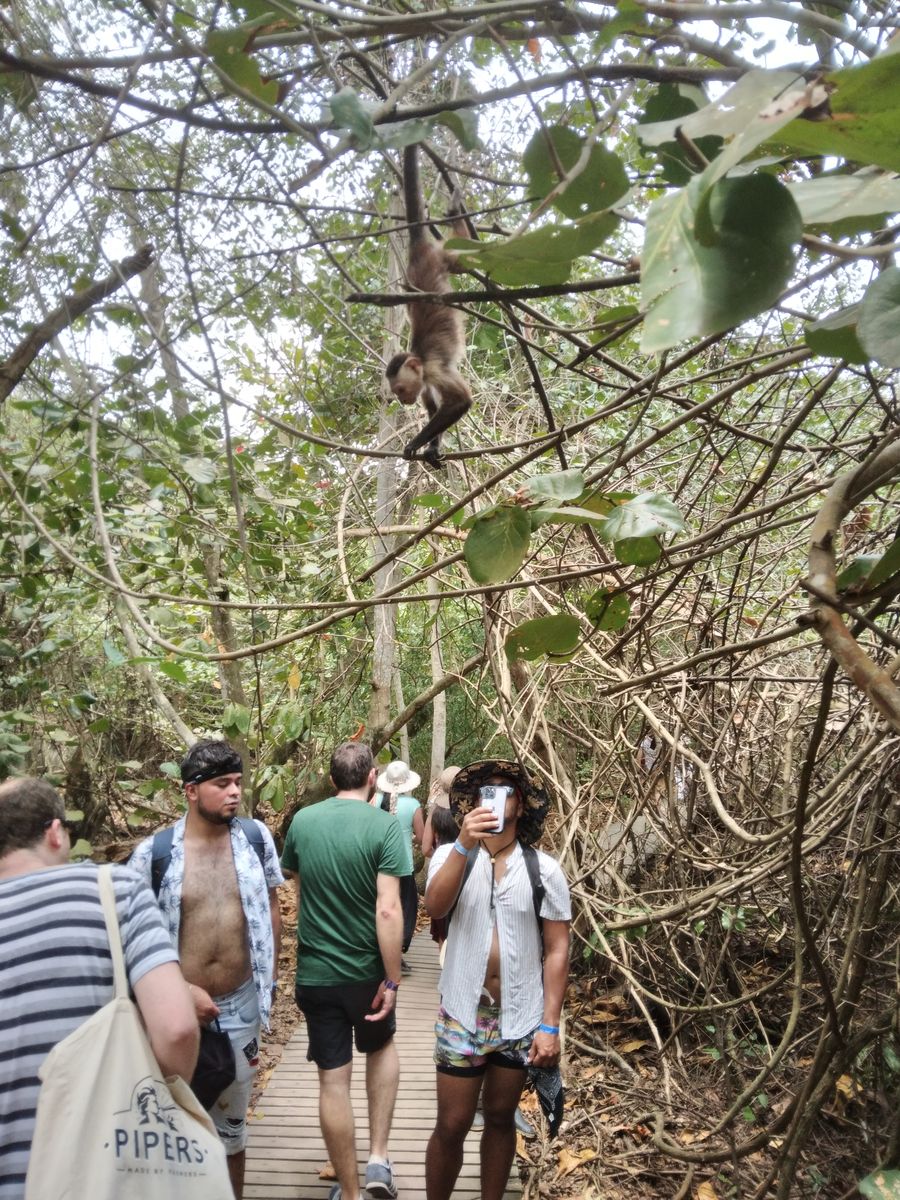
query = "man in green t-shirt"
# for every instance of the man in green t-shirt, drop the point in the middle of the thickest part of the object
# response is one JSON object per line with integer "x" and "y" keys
{"x": 347, "y": 858}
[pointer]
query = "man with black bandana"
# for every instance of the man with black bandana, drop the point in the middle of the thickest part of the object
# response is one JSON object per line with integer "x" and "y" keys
{"x": 217, "y": 893}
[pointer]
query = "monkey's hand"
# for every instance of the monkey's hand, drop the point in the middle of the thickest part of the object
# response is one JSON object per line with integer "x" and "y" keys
{"x": 429, "y": 455}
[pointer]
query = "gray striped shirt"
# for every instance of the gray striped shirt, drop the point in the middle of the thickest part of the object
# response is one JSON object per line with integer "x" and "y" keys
{"x": 55, "y": 971}
{"x": 471, "y": 931}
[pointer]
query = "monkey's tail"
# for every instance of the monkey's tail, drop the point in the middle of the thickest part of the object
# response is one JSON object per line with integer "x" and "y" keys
{"x": 412, "y": 192}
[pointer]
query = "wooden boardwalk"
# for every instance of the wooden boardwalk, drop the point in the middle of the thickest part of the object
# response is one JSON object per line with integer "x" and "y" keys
{"x": 285, "y": 1151}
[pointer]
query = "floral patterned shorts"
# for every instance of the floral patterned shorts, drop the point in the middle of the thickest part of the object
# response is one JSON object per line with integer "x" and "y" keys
{"x": 459, "y": 1052}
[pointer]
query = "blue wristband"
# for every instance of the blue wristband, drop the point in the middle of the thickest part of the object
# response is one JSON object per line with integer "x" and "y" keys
{"x": 548, "y": 1028}
{"x": 460, "y": 848}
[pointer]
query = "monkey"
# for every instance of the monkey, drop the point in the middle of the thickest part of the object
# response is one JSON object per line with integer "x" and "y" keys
{"x": 437, "y": 343}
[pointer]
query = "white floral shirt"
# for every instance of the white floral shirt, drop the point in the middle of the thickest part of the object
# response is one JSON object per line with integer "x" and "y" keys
{"x": 254, "y": 881}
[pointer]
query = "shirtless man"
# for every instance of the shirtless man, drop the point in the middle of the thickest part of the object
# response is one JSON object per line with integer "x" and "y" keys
{"x": 216, "y": 876}
{"x": 500, "y": 1009}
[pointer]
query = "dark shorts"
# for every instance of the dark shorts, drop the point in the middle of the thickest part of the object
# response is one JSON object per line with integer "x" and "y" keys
{"x": 333, "y": 1014}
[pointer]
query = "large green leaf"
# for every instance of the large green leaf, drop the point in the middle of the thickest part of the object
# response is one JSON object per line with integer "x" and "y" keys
{"x": 881, "y": 1185}
{"x": 202, "y": 470}
{"x": 638, "y": 551}
{"x": 863, "y": 119}
{"x": 556, "y": 635}
{"x": 836, "y": 199}
{"x": 668, "y": 103}
{"x": 878, "y": 327}
{"x": 226, "y": 46}
{"x": 607, "y": 612}
{"x": 543, "y": 255}
{"x": 745, "y": 112}
{"x": 713, "y": 259}
{"x": 645, "y": 516}
{"x": 886, "y": 567}
{"x": 560, "y": 485}
{"x": 835, "y": 336}
{"x": 599, "y": 184}
{"x": 349, "y": 112}
{"x": 497, "y": 543}
{"x": 236, "y": 717}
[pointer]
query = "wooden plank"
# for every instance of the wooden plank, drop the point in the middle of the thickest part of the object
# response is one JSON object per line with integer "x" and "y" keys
{"x": 285, "y": 1151}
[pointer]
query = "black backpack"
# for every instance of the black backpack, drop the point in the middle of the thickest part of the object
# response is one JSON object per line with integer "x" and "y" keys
{"x": 162, "y": 849}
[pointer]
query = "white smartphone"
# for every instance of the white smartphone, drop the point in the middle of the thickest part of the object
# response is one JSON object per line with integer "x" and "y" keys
{"x": 493, "y": 796}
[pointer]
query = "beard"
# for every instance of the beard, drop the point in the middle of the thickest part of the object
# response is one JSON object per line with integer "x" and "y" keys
{"x": 213, "y": 816}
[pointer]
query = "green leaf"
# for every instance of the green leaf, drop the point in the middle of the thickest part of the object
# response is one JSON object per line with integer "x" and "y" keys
{"x": 174, "y": 670}
{"x": 886, "y": 567}
{"x": 557, "y": 635}
{"x": 113, "y": 653}
{"x": 878, "y": 327}
{"x": 862, "y": 126}
{"x": 645, "y": 516}
{"x": 714, "y": 258}
{"x": 638, "y": 551}
{"x": 749, "y": 112}
{"x": 81, "y": 849}
{"x": 349, "y": 112}
{"x": 881, "y": 1185}
{"x": 569, "y": 515}
{"x": 598, "y": 185}
{"x": 668, "y": 102}
{"x": 835, "y": 336}
{"x": 227, "y": 49}
{"x": 542, "y": 256}
{"x": 170, "y": 769}
{"x": 833, "y": 200}
{"x": 497, "y": 544}
{"x": 607, "y": 612}
{"x": 464, "y": 125}
{"x": 856, "y": 572}
{"x": 560, "y": 485}
{"x": 202, "y": 470}
{"x": 236, "y": 717}
{"x": 100, "y": 725}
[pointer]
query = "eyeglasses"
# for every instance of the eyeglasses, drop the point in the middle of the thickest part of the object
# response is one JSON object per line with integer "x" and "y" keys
{"x": 68, "y": 825}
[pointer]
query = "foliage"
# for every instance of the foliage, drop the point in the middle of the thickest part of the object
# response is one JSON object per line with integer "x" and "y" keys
{"x": 682, "y": 324}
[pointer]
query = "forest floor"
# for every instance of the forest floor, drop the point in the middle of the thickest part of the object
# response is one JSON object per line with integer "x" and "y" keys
{"x": 615, "y": 1087}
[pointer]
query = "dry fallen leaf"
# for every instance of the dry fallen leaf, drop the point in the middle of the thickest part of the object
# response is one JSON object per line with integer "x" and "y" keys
{"x": 706, "y": 1191}
{"x": 636, "y": 1044}
{"x": 568, "y": 1162}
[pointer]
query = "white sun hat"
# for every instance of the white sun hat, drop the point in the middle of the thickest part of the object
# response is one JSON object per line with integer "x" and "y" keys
{"x": 397, "y": 777}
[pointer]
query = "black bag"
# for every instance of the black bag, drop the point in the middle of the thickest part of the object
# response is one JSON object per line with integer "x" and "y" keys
{"x": 216, "y": 1068}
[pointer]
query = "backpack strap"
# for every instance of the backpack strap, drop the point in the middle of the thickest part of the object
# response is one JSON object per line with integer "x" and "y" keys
{"x": 538, "y": 890}
{"x": 161, "y": 851}
{"x": 161, "y": 856}
{"x": 470, "y": 863}
{"x": 254, "y": 836}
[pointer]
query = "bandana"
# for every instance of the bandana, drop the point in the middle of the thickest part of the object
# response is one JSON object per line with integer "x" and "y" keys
{"x": 231, "y": 766}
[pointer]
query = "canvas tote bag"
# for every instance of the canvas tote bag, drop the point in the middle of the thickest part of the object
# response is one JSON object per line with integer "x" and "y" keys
{"x": 109, "y": 1126}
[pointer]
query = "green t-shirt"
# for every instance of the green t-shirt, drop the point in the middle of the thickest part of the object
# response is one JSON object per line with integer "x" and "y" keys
{"x": 338, "y": 847}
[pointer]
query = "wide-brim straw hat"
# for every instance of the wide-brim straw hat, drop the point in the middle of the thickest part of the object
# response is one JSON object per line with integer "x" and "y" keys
{"x": 397, "y": 777}
{"x": 535, "y": 801}
{"x": 439, "y": 796}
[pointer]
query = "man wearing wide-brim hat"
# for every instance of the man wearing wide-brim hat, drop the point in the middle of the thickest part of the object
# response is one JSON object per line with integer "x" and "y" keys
{"x": 505, "y": 971}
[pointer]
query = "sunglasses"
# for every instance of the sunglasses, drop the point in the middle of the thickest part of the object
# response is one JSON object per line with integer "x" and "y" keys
{"x": 68, "y": 825}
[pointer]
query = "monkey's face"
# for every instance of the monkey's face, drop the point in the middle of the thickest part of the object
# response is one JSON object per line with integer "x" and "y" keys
{"x": 408, "y": 380}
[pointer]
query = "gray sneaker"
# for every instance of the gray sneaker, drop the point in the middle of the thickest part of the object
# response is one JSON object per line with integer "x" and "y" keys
{"x": 380, "y": 1181}
{"x": 523, "y": 1126}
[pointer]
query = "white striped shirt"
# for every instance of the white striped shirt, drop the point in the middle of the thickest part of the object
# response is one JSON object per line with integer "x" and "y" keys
{"x": 55, "y": 972}
{"x": 471, "y": 933}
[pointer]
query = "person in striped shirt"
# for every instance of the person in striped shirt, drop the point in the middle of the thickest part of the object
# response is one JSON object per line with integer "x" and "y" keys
{"x": 505, "y": 971}
{"x": 55, "y": 964}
